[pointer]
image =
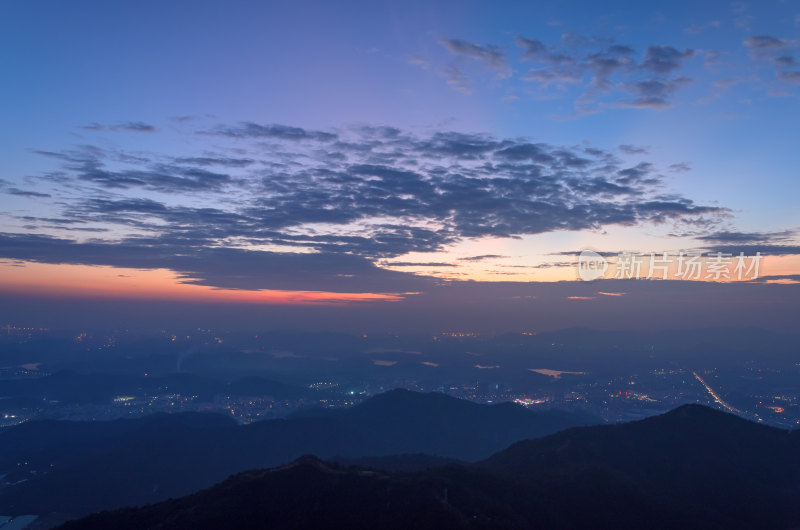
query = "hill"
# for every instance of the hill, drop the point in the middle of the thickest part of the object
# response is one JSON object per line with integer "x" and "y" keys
{"x": 77, "y": 467}
{"x": 693, "y": 467}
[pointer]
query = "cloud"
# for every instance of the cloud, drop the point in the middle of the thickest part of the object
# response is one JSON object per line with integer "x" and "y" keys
{"x": 26, "y": 193}
{"x": 639, "y": 173}
{"x": 135, "y": 126}
{"x": 665, "y": 59}
{"x": 791, "y": 77}
{"x": 461, "y": 183}
{"x": 128, "y": 126}
{"x": 228, "y": 268}
{"x": 350, "y": 198}
{"x": 489, "y": 55}
{"x": 767, "y": 243}
{"x": 91, "y": 164}
{"x": 557, "y": 76}
{"x": 170, "y": 179}
{"x": 788, "y": 279}
{"x": 534, "y": 50}
{"x": 576, "y": 253}
{"x": 629, "y": 149}
{"x": 765, "y": 42}
{"x": 653, "y": 93}
{"x": 596, "y": 72}
{"x": 745, "y": 237}
{"x": 482, "y": 257}
{"x": 458, "y": 80}
{"x": 680, "y": 167}
{"x": 418, "y": 264}
{"x": 215, "y": 161}
{"x": 276, "y": 131}
{"x": 771, "y": 52}
{"x": 750, "y": 250}
{"x": 602, "y": 69}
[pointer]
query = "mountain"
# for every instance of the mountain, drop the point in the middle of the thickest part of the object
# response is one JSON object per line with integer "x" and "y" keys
{"x": 401, "y": 421}
{"x": 405, "y": 462}
{"x": 691, "y": 464}
{"x": 693, "y": 467}
{"x": 310, "y": 493}
{"x": 80, "y": 467}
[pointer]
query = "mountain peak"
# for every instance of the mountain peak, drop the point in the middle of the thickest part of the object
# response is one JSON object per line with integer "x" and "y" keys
{"x": 696, "y": 413}
{"x": 309, "y": 461}
{"x": 401, "y": 397}
{"x": 693, "y": 409}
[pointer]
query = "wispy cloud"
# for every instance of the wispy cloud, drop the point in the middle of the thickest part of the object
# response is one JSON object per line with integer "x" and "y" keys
{"x": 482, "y": 257}
{"x": 129, "y": 126}
{"x": 27, "y": 193}
{"x": 601, "y": 70}
{"x": 350, "y": 198}
{"x": 490, "y": 55}
{"x": 765, "y": 42}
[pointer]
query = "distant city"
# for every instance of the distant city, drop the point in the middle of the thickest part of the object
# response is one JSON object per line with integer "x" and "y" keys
{"x": 122, "y": 375}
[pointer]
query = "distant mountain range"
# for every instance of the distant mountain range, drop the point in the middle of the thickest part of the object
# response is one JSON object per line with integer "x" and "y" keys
{"x": 693, "y": 467}
{"x": 80, "y": 467}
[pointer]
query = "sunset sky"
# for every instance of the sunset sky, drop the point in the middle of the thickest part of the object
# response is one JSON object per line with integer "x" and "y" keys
{"x": 402, "y": 160}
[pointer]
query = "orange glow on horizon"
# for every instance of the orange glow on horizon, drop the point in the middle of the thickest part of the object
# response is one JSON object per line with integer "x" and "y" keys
{"x": 491, "y": 271}
{"x": 110, "y": 282}
{"x": 64, "y": 280}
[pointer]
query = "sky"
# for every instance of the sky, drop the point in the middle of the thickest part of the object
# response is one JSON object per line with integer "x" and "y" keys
{"x": 399, "y": 166}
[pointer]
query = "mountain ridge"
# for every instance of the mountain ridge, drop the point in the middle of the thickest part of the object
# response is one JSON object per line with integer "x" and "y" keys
{"x": 75, "y": 468}
{"x": 531, "y": 484}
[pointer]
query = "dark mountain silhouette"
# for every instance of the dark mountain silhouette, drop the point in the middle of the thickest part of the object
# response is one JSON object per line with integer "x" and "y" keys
{"x": 691, "y": 462}
{"x": 77, "y": 467}
{"x": 406, "y": 462}
{"x": 310, "y": 493}
{"x": 691, "y": 468}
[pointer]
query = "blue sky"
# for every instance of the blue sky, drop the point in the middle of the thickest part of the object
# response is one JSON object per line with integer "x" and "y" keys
{"x": 158, "y": 131}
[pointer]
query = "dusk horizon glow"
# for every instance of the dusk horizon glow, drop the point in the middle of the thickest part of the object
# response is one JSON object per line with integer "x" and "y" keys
{"x": 391, "y": 152}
